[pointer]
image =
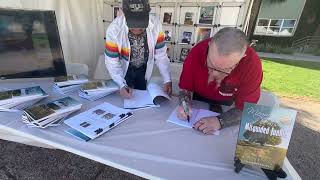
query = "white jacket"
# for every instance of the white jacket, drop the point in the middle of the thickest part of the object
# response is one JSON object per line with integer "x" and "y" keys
{"x": 117, "y": 50}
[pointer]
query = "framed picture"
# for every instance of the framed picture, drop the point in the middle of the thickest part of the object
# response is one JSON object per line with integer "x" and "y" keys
{"x": 188, "y": 15}
{"x": 167, "y": 18}
{"x": 188, "y": 18}
{"x": 206, "y": 15}
{"x": 167, "y": 15}
{"x": 183, "y": 54}
{"x": 186, "y": 37}
{"x": 115, "y": 12}
{"x": 203, "y": 33}
{"x": 167, "y": 35}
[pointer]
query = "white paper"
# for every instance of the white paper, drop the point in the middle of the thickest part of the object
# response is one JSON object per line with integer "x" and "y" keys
{"x": 143, "y": 99}
{"x": 197, "y": 114}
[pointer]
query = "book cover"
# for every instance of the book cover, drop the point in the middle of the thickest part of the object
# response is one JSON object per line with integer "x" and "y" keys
{"x": 264, "y": 135}
{"x": 38, "y": 112}
{"x": 206, "y": 15}
{"x": 96, "y": 121}
{"x": 30, "y": 91}
{"x": 97, "y": 85}
{"x": 69, "y": 78}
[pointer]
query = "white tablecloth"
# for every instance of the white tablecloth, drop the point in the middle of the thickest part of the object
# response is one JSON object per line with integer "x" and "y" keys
{"x": 145, "y": 145}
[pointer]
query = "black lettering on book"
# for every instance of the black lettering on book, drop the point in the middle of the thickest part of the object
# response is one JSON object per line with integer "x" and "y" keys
{"x": 98, "y": 131}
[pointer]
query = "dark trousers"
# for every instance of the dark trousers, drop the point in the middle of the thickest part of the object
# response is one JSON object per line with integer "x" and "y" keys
{"x": 135, "y": 77}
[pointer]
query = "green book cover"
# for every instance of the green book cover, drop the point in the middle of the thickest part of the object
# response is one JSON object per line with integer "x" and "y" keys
{"x": 264, "y": 135}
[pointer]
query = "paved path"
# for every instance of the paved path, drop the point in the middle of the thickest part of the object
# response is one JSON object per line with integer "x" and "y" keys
{"x": 297, "y": 57}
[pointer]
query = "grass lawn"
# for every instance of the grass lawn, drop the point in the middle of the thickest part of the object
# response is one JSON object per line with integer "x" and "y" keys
{"x": 292, "y": 78}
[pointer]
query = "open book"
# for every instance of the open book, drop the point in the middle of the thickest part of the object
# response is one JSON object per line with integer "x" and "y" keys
{"x": 152, "y": 97}
{"x": 197, "y": 114}
{"x": 96, "y": 121}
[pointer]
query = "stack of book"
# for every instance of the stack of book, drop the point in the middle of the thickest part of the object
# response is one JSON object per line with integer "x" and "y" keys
{"x": 50, "y": 114}
{"x": 66, "y": 84}
{"x": 20, "y": 98}
{"x": 96, "y": 121}
{"x": 97, "y": 89}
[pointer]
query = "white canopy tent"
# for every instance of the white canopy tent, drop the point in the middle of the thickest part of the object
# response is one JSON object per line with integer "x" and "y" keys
{"x": 82, "y": 29}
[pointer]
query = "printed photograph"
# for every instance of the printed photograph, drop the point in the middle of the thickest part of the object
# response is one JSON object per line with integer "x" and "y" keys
{"x": 98, "y": 112}
{"x": 203, "y": 33}
{"x": 186, "y": 37}
{"x": 40, "y": 111}
{"x": 167, "y": 17}
{"x": 168, "y": 35}
{"x": 183, "y": 54}
{"x": 188, "y": 19}
{"x": 5, "y": 95}
{"x": 206, "y": 15}
{"x": 91, "y": 85}
{"x": 108, "y": 116}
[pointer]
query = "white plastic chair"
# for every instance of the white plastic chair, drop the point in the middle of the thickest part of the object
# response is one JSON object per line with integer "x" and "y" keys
{"x": 77, "y": 69}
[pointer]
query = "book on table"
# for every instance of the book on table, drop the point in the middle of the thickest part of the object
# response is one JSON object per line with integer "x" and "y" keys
{"x": 96, "y": 121}
{"x": 152, "y": 97}
{"x": 20, "y": 98}
{"x": 50, "y": 114}
{"x": 264, "y": 135}
{"x": 94, "y": 90}
{"x": 70, "y": 83}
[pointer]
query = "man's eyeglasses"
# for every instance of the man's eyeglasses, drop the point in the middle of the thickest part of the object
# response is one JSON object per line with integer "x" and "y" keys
{"x": 226, "y": 71}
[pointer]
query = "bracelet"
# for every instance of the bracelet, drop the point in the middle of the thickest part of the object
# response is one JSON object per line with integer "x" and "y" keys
{"x": 220, "y": 121}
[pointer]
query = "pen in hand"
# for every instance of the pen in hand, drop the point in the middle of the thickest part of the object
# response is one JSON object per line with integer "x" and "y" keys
{"x": 186, "y": 109}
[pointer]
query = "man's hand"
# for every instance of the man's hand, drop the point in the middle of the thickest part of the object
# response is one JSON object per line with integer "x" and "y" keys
{"x": 126, "y": 92}
{"x": 167, "y": 88}
{"x": 208, "y": 125}
{"x": 181, "y": 114}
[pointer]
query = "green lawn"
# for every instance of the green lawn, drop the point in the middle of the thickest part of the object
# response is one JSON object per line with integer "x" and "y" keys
{"x": 292, "y": 78}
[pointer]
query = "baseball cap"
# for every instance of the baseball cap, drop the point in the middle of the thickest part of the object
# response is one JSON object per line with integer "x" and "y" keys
{"x": 136, "y": 13}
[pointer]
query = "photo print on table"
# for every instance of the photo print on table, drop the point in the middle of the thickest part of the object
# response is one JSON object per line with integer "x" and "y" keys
{"x": 183, "y": 54}
{"x": 188, "y": 19}
{"x": 167, "y": 17}
{"x": 203, "y": 33}
{"x": 186, "y": 37}
{"x": 206, "y": 15}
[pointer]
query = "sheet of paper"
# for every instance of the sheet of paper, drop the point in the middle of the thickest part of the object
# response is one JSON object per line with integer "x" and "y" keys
{"x": 139, "y": 99}
{"x": 196, "y": 115}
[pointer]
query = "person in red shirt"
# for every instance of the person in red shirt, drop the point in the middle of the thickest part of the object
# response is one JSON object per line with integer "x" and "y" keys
{"x": 222, "y": 70}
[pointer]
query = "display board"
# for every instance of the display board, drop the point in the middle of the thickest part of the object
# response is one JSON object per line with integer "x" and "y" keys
{"x": 186, "y": 23}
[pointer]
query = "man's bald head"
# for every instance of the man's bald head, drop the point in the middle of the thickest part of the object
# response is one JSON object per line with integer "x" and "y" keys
{"x": 230, "y": 40}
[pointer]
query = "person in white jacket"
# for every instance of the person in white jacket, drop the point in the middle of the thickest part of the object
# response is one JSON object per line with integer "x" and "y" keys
{"x": 134, "y": 43}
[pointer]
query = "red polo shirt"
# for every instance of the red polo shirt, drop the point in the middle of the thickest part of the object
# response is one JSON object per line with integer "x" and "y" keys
{"x": 241, "y": 85}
